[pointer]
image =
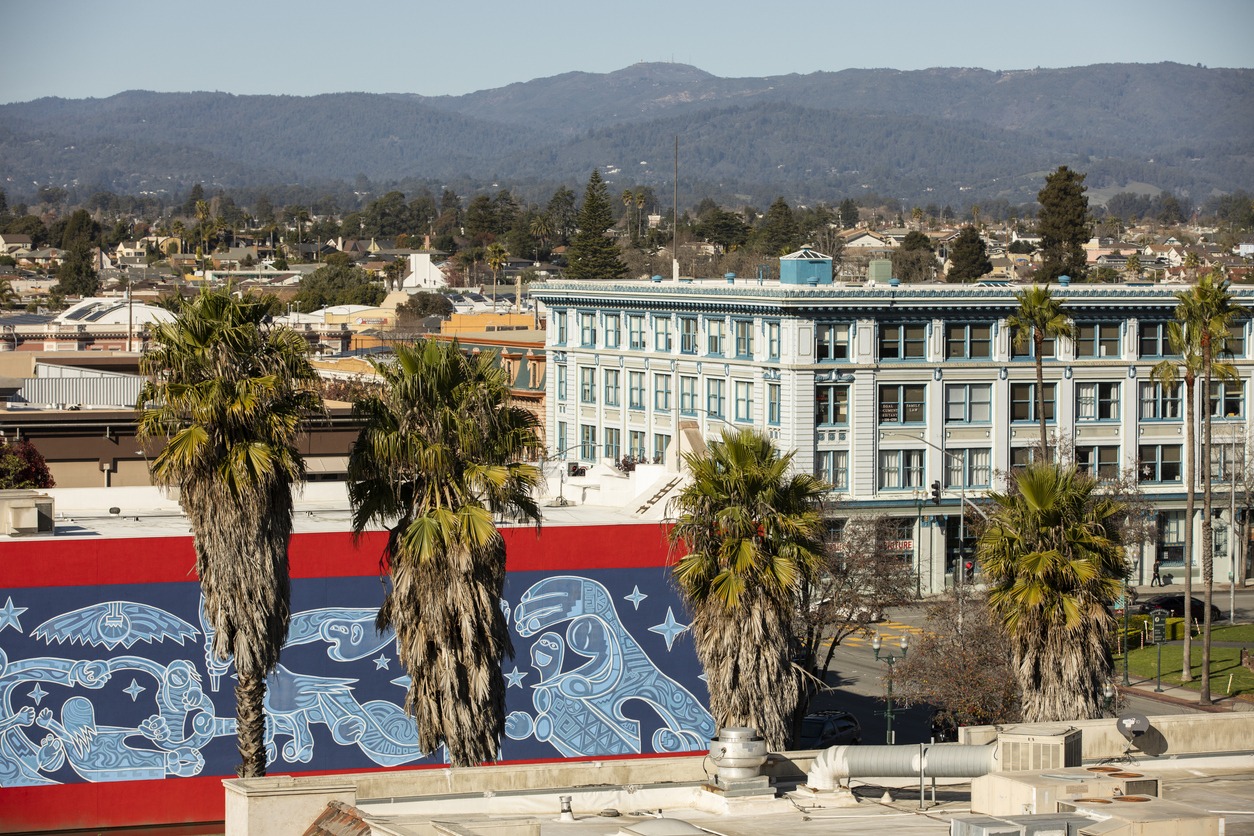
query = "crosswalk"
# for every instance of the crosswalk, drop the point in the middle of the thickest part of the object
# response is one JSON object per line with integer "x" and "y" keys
{"x": 890, "y": 633}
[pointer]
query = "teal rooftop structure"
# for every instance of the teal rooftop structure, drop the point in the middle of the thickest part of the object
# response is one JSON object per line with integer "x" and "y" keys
{"x": 805, "y": 267}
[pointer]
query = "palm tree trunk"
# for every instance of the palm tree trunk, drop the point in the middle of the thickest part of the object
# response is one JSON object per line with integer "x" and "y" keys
{"x": 250, "y": 718}
{"x": 1190, "y": 506}
{"x": 1208, "y": 529}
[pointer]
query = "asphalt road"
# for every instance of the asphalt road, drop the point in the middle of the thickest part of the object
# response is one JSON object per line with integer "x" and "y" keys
{"x": 858, "y": 680}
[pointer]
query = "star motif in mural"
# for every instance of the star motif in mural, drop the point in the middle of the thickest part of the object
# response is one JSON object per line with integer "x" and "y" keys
{"x": 9, "y": 615}
{"x": 134, "y": 689}
{"x": 381, "y": 664}
{"x": 669, "y": 629}
{"x": 515, "y": 678}
{"x": 635, "y": 597}
{"x": 37, "y": 694}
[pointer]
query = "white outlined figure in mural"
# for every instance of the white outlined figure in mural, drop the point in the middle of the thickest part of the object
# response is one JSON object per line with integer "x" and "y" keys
{"x": 295, "y": 702}
{"x": 350, "y": 634}
{"x": 22, "y": 762}
{"x": 101, "y": 753}
{"x": 580, "y": 711}
{"x": 112, "y": 623}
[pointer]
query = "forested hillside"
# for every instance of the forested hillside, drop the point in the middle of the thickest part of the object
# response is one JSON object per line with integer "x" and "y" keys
{"x": 935, "y": 136}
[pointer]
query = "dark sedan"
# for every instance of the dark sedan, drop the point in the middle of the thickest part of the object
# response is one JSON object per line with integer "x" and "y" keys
{"x": 1174, "y": 605}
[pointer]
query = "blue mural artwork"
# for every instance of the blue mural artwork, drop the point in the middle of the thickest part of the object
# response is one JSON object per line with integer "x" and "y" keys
{"x": 117, "y": 683}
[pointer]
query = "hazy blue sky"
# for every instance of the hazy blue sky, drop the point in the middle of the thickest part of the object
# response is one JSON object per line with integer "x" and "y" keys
{"x": 95, "y": 48}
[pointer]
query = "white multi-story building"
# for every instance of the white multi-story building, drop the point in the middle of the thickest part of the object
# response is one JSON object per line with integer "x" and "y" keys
{"x": 884, "y": 389}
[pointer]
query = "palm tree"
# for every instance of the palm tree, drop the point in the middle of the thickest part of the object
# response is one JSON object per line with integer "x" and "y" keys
{"x": 640, "y": 201}
{"x": 751, "y": 534}
{"x": 1052, "y": 557}
{"x": 1038, "y": 317}
{"x": 541, "y": 228}
{"x": 629, "y": 200}
{"x": 229, "y": 397}
{"x": 1208, "y": 311}
{"x": 1185, "y": 367}
{"x": 437, "y": 461}
{"x": 496, "y": 256}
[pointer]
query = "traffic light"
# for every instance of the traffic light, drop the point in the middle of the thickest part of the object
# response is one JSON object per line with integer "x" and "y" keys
{"x": 936, "y": 488}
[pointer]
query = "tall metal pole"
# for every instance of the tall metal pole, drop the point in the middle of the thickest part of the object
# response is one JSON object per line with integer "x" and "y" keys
{"x": 1232, "y": 535}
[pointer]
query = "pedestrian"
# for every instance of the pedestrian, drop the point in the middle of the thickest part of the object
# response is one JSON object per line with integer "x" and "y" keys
{"x": 1156, "y": 580}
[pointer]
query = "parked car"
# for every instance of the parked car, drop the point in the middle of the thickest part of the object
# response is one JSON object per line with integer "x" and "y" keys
{"x": 1174, "y": 604}
{"x": 829, "y": 728}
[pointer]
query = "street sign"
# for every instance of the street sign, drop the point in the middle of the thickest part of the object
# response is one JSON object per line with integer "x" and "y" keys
{"x": 1160, "y": 625}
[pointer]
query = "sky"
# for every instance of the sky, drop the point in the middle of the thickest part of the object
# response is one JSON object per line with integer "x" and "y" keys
{"x": 97, "y": 48}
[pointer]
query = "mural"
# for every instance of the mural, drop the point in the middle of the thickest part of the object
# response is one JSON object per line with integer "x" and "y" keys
{"x": 97, "y": 685}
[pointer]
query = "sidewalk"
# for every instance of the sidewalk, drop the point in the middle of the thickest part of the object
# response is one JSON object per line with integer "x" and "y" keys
{"x": 1182, "y": 697}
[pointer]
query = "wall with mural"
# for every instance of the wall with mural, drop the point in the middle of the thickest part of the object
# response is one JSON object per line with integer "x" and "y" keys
{"x": 106, "y": 682}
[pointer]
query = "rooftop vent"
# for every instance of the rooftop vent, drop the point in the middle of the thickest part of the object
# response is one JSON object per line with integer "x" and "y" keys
{"x": 26, "y": 513}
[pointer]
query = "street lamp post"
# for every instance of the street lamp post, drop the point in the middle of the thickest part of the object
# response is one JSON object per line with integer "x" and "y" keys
{"x": 889, "y": 659}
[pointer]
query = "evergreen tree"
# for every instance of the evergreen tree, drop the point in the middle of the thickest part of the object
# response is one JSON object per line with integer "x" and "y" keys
{"x": 77, "y": 274}
{"x": 779, "y": 229}
{"x": 916, "y": 240}
{"x": 592, "y": 255}
{"x": 968, "y": 256}
{"x": 848, "y": 213}
{"x": 1063, "y": 223}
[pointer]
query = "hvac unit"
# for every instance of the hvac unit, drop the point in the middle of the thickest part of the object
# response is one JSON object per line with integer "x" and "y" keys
{"x": 25, "y": 513}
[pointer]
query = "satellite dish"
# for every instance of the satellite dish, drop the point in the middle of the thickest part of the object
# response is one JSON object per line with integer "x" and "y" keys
{"x": 1132, "y": 724}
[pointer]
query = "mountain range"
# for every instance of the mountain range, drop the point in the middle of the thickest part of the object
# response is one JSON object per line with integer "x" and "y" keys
{"x": 940, "y": 136}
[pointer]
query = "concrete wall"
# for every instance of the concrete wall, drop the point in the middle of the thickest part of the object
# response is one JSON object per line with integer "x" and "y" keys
{"x": 1169, "y": 735}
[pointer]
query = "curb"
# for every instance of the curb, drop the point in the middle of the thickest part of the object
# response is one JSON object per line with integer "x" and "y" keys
{"x": 1172, "y": 700}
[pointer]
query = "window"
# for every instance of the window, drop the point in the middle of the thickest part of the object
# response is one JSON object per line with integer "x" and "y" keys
{"x": 968, "y": 468}
{"x": 1100, "y": 460}
{"x": 1171, "y": 538}
{"x": 772, "y": 403}
{"x": 903, "y": 342}
{"x": 902, "y": 404}
{"x": 613, "y": 443}
{"x": 611, "y": 388}
{"x": 1097, "y": 339}
{"x": 662, "y": 333}
{"x": 900, "y": 469}
{"x": 1224, "y": 461}
{"x": 662, "y": 392}
{"x": 559, "y": 319}
{"x": 714, "y": 337}
{"x": 563, "y": 440}
{"x": 1097, "y": 401}
{"x": 833, "y": 342}
{"x": 660, "y": 442}
{"x": 1022, "y": 456}
{"x": 587, "y": 330}
{"x": 534, "y": 377}
{"x": 612, "y": 333}
{"x": 561, "y": 383}
{"x": 968, "y": 403}
{"x": 688, "y": 395}
{"x": 744, "y": 400}
{"x": 832, "y": 466}
{"x": 715, "y": 397}
{"x": 587, "y": 443}
{"x": 772, "y": 340}
{"x": 635, "y": 332}
{"x": 1023, "y": 402}
{"x": 688, "y": 335}
{"x": 587, "y": 385}
{"x": 831, "y": 404}
{"x": 1153, "y": 341}
{"x": 1234, "y": 346}
{"x": 635, "y": 444}
{"x": 968, "y": 342}
{"x": 744, "y": 338}
{"x": 1028, "y": 351}
{"x": 1227, "y": 399}
{"x": 635, "y": 390}
{"x": 1160, "y": 402}
{"x": 1158, "y": 463}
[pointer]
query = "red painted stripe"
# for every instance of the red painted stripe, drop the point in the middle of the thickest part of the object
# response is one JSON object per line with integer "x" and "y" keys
{"x": 90, "y": 561}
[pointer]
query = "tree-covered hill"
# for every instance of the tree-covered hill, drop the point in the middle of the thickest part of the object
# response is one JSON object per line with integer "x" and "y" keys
{"x": 933, "y": 136}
